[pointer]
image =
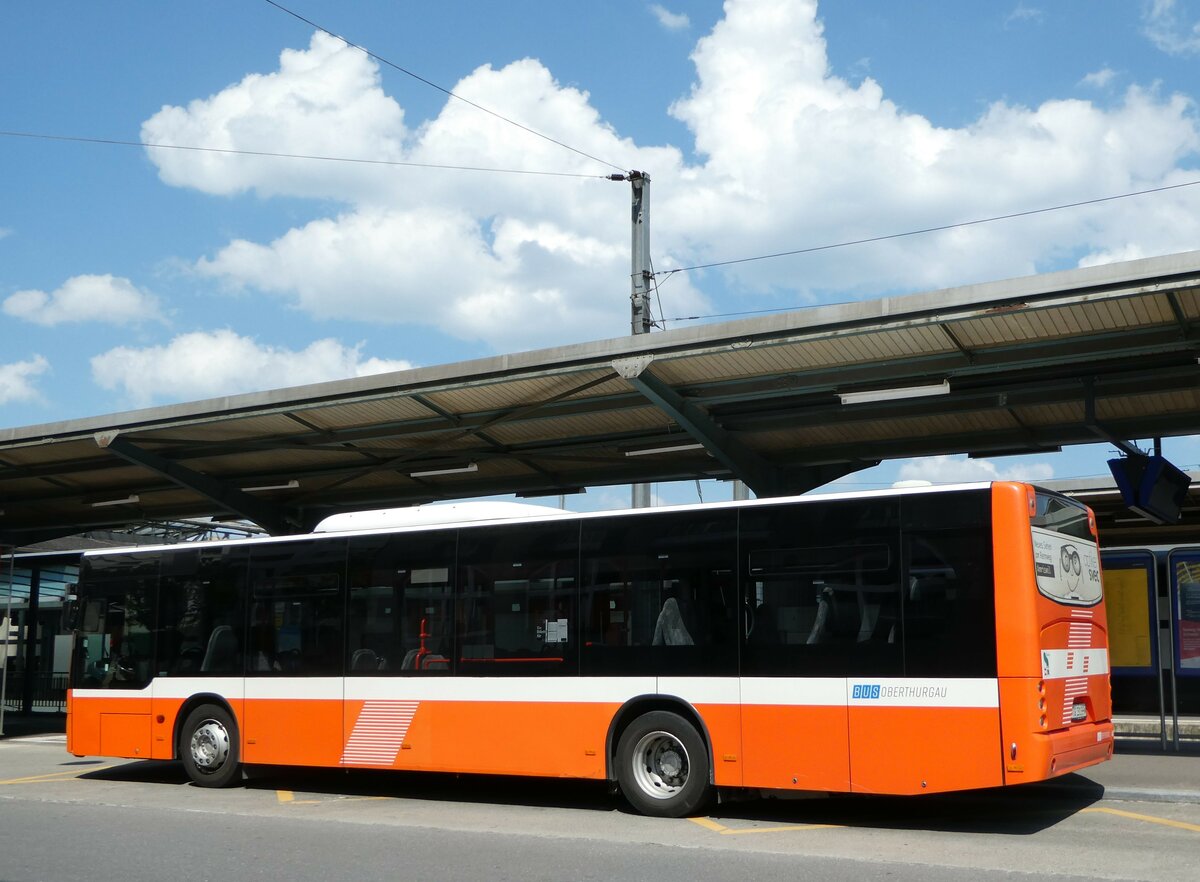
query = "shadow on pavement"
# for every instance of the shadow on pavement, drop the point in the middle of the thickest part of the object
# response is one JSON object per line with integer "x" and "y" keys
{"x": 1014, "y": 811}
{"x": 17, "y": 725}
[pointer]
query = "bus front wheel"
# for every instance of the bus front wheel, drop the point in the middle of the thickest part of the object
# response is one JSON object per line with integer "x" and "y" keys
{"x": 209, "y": 747}
{"x": 662, "y": 765}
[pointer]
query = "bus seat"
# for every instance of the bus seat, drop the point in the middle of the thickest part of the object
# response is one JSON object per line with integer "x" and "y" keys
{"x": 435, "y": 662}
{"x": 364, "y": 660}
{"x": 221, "y": 654}
{"x": 819, "y": 632}
{"x": 670, "y": 630}
{"x": 837, "y": 620}
{"x": 766, "y": 626}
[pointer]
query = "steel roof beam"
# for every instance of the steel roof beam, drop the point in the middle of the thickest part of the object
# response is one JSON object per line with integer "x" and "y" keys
{"x": 757, "y": 473}
{"x": 271, "y": 518}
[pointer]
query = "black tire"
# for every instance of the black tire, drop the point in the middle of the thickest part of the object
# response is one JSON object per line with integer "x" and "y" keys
{"x": 208, "y": 746}
{"x": 662, "y": 766}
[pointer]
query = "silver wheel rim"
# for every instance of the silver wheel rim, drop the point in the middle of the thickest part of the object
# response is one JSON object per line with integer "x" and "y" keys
{"x": 660, "y": 765}
{"x": 210, "y": 746}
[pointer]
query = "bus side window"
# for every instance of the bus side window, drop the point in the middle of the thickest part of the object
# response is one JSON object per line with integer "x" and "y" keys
{"x": 296, "y": 608}
{"x": 400, "y": 613}
{"x": 202, "y": 612}
{"x": 822, "y": 589}
{"x": 516, "y": 600}
{"x": 949, "y": 608}
{"x": 659, "y": 595}
{"x": 120, "y": 655}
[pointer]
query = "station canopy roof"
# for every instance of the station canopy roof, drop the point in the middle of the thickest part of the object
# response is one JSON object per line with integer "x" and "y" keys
{"x": 785, "y": 402}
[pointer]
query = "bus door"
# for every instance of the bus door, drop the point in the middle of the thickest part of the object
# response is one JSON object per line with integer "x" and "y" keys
{"x": 294, "y": 654}
{"x": 113, "y": 662}
{"x": 794, "y": 724}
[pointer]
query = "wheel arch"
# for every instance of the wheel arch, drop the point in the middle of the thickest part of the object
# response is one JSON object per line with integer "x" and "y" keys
{"x": 643, "y": 704}
{"x": 190, "y": 705}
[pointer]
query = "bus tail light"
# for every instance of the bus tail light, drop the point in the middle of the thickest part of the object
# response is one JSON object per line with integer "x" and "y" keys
{"x": 1031, "y": 496}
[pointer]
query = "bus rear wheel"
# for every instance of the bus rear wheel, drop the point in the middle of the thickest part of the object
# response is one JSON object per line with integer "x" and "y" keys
{"x": 209, "y": 747}
{"x": 662, "y": 765}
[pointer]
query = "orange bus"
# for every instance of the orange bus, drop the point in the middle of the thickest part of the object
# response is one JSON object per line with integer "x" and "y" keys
{"x": 903, "y": 642}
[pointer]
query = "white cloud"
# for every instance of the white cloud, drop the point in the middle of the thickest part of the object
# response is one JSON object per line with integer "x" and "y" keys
{"x": 209, "y": 364}
{"x": 325, "y": 101}
{"x": 5, "y": 231}
{"x": 790, "y": 156}
{"x": 108, "y": 299}
{"x": 1171, "y": 29}
{"x": 1099, "y": 79}
{"x": 672, "y": 21}
{"x": 1024, "y": 13}
{"x": 764, "y": 98}
{"x": 16, "y": 379}
{"x": 959, "y": 469}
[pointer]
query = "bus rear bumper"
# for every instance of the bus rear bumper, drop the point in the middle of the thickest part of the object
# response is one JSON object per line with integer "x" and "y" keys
{"x": 1080, "y": 746}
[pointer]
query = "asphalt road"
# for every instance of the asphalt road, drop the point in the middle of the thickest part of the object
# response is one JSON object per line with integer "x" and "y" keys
{"x": 63, "y": 818}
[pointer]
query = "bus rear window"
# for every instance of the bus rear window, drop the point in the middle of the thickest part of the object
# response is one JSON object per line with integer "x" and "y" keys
{"x": 1062, "y": 516}
{"x": 1066, "y": 558}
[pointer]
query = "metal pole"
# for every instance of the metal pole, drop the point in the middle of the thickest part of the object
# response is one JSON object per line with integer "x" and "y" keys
{"x": 12, "y": 562}
{"x": 639, "y": 273}
{"x": 1173, "y": 596}
{"x": 31, "y": 639}
{"x": 640, "y": 278}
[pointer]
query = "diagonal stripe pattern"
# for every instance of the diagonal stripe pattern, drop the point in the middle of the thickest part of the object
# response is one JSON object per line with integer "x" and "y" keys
{"x": 378, "y": 733}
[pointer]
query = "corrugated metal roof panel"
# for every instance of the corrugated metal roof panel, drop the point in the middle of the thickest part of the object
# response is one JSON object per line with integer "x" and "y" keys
{"x": 493, "y": 396}
{"x": 367, "y": 413}
{"x": 584, "y": 425}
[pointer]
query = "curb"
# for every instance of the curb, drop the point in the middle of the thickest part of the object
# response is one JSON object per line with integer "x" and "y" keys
{"x": 1139, "y": 794}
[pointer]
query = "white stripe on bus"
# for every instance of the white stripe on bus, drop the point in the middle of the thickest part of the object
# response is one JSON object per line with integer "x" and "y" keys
{"x": 752, "y": 691}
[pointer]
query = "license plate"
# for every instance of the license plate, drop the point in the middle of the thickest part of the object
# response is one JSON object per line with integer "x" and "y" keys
{"x": 1078, "y": 712}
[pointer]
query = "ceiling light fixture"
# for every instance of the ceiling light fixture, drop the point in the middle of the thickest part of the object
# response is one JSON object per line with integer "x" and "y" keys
{"x": 470, "y": 467}
{"x": 674, "y": 448}
{"x": 128, "y": 500}
{"x": 942, "y": 388}
{"x": 290, "y": 485}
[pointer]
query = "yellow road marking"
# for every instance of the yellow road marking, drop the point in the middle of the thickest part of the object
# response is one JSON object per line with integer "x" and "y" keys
{"x": 286, "y": 797}
{"x": 787, "y": 829}
{"x": 53, "y": 776}
{"x": 710, "y": 824}
{"x": 1167, "y": 822}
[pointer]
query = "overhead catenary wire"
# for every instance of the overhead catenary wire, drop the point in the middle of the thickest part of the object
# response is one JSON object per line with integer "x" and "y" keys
{"x": 306, "y": 156}
{"x": 925, "y": 230}
{"x": 883, "y": 238}
{"x": 442, "y": 89}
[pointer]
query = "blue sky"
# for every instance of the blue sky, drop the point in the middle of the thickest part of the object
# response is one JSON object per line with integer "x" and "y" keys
{"x": 132, "y": 277}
